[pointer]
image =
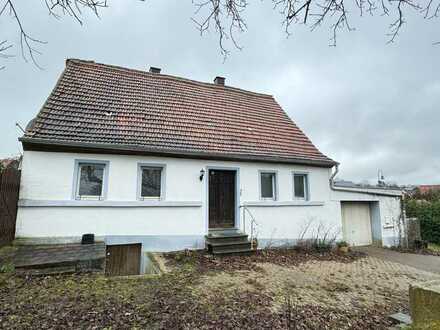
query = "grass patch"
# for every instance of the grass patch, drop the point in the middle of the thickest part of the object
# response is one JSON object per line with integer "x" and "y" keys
{"x": 434, "y": 247}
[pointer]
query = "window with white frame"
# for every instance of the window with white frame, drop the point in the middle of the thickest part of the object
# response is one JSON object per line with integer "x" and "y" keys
{"x": 90, "y": 184}
{"x": 268, "y": 185}
{"x": 300, "y": 186}
{"x": 151, "y": 184}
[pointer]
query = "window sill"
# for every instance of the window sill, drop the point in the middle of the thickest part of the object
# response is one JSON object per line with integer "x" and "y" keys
{"x": 105, "y": 203}
{"x": 283, "y": 203}
{"x": 89, "y": 198}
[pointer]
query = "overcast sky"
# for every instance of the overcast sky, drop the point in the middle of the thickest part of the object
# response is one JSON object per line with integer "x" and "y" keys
{"x": 364, "y": 103}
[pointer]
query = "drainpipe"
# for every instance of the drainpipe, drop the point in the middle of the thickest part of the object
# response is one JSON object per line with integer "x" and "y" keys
{"x": 332, "y": 177}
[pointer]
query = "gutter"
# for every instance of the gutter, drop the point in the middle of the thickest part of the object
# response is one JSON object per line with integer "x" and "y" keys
{"x": 359, "y": 190}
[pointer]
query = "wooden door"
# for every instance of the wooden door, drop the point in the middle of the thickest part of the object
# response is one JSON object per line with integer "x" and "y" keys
{"x": 123, "y": 259}
{"x": 357, "y": 223}
{"x": 221, "y": 199}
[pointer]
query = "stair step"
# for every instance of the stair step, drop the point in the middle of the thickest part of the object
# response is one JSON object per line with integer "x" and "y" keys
{"x": 225, "y": 234}
{"x": 233, "y": 252}
{"x": 215, "y": 243}
{"x": 218, "y": 248}
{"x": 226, "y": 239}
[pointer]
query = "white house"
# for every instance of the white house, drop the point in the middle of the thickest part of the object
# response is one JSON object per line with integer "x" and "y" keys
{"x": 143, "y": 157}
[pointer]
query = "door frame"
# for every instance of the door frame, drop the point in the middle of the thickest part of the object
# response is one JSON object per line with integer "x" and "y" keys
{"x": 237, "y": 194}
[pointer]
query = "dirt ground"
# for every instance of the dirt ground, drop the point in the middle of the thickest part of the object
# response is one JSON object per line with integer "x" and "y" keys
{"x": 363, "y": 283}
{"x": 274, "y": 289}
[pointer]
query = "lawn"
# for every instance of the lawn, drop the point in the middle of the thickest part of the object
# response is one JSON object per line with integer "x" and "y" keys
{"x": 272, "y": 289}
{"x": 434, "y": 247}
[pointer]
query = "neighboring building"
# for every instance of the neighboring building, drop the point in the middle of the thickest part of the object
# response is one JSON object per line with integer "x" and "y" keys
{"x": 428, "y": 188}
{"x": 10, "y": 162}
{"x": 143, "y": 157}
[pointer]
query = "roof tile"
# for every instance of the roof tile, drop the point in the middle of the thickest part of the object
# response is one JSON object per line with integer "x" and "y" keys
{"x": 97, "y": 103}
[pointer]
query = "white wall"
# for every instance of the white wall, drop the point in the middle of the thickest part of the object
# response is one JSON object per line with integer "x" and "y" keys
{"x": 49, "y": 177}
{"x": 389, "y": 211}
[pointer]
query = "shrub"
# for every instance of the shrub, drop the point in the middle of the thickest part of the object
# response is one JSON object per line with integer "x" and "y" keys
{"x": 322, "y": 245}
{"x": 428, "y": 213}
{"x": 342, "y": 244}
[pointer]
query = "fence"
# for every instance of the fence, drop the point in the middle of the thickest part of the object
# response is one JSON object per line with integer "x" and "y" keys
{"x": 9, "y": 188}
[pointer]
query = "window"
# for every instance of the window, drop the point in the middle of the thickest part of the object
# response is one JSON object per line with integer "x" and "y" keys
{"x": 90, "y": 184}
{"x": 151, "y": 182}
{"x": 300, "y": 186}
{"x": 268, "y": 185}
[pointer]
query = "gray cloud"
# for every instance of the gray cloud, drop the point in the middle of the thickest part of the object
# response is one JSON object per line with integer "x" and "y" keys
{"x": 364, "y": 103}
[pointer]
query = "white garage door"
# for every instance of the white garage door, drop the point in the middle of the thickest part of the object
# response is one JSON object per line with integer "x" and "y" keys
{"x": 356, "y": 222}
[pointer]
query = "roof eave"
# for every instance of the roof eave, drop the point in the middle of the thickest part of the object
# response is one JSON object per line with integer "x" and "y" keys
{"x": 68, "y": 146}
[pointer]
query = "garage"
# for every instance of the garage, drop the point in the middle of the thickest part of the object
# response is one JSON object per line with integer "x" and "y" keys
{"x": 356, "y": 223}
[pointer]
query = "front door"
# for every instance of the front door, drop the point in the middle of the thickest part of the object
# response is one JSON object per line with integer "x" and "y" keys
{"x": 221, "y": 199}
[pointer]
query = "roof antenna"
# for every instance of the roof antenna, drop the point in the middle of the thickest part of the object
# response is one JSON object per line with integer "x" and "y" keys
{"x": 380, "y": 178}
{"x": 21, "y": 128}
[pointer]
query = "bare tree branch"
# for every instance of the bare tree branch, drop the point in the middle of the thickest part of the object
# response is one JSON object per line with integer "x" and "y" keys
{"x": 56, "y": 8}
{"x": 314, "y": 13}
{"x": 219, "y": 10}
{"x": 226, "y": 17}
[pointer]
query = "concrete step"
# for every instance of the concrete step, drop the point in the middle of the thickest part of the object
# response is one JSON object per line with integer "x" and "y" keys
{"x": 239, "y": 242}
{"x": 231, "y": 247}
{"x": 226, "y": 239}
{"x": 234, "y": 252}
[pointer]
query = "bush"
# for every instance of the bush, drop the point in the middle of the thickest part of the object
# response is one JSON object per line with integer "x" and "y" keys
{"x": 342, "y": 244}
{"x": 428, "y": 213}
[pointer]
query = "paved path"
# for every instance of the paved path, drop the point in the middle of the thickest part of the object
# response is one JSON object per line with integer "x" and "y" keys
{"x": 424, "y": 262}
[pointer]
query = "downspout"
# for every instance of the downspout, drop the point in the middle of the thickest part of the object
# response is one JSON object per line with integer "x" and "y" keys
{"x": 332, "y": 177}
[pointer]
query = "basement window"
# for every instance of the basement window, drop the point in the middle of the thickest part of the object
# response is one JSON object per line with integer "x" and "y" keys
{"x": 151, "y": 182}
{"x": 268, "y": 185}
{"x": 90, "y": 180}
{"x": 300, "y": 186}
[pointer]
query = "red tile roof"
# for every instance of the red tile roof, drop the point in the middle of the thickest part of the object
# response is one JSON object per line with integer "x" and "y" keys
{"x": 97, "y": 105}
{"x": 425, "y": 188}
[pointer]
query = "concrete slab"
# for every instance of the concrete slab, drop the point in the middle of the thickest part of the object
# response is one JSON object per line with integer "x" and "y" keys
{"x": 423, "y": 262}
{"x": 401, "y": 318}
{"x": 82, "y": 257}
{"x": 424, "y": 301}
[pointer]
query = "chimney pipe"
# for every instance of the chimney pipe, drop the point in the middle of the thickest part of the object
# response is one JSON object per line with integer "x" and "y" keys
{"x": 219, "y": 81}
{"x": 154, "y": 69}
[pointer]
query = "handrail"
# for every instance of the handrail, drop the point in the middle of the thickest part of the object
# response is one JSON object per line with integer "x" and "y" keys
{"x": 254, "y": 223}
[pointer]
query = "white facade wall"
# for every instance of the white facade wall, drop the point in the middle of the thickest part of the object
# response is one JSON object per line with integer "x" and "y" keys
{"x": 388, "y": 212}
{"x": 47, "y": 209}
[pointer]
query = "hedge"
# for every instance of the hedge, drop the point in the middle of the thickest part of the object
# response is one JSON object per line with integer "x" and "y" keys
{"x": 429, "y": 215}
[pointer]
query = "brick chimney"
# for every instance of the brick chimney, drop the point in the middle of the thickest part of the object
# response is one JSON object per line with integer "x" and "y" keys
{"x": 154, "y": 69}
{"x": 219, "y": 81}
